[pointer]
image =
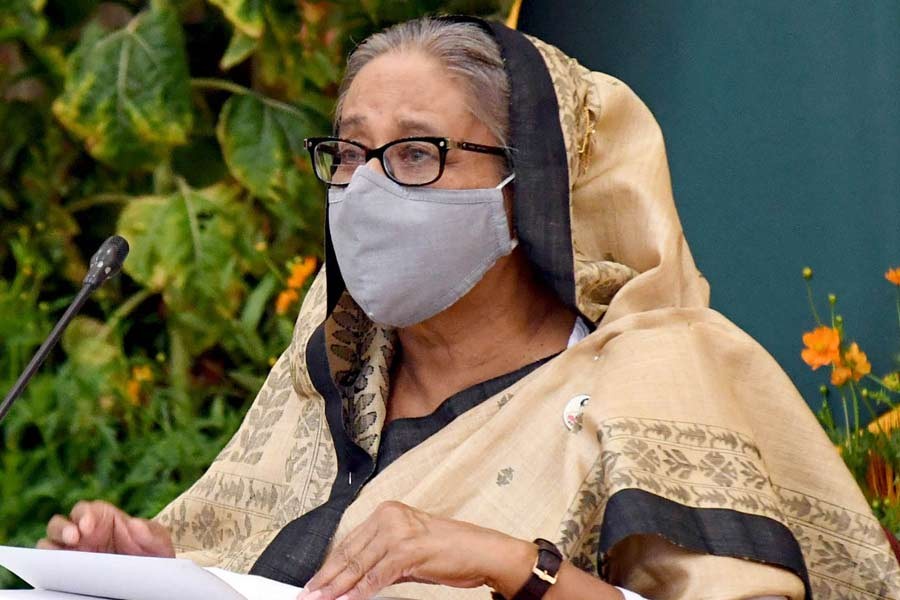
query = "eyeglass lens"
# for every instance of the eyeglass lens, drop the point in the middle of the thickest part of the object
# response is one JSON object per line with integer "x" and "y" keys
{"x": 406, "y": 162}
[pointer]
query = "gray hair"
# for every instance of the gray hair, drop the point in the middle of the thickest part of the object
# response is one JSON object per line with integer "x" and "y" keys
{"x": 466, "y": 50}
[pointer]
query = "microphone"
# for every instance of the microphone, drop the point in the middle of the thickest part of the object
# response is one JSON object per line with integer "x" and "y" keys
{"x": 106, "y": 263}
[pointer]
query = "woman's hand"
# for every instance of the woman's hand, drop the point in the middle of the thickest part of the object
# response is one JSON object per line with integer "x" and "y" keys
{"x": 399, "y": 543}
{"x": 101, "y": 527}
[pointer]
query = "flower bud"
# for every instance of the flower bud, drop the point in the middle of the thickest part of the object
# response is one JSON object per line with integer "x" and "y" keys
{"x": 832, "y": 299}
{"x": 864, "y": 393}
{"x": 838, "y": 320}
{"x": 807, "y": 273}
{"x": 823, "y": 389}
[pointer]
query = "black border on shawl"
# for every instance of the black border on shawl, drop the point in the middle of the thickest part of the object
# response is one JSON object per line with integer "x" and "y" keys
{"x": 541, "y": 207}
{"x": 716, "y": 531}
{"x": 281, "y": 559}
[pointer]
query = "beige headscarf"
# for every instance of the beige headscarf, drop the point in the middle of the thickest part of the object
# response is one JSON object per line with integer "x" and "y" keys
{"x": 688, "y": 418}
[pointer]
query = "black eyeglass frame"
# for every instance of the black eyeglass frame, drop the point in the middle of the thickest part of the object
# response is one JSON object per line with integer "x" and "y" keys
{"x": 444, "y": 145}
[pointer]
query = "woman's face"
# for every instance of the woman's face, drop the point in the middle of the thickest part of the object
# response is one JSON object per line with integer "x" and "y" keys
{"x": 406, "y": 94}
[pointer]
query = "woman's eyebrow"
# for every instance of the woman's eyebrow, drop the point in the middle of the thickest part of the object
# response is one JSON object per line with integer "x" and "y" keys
{"x": 350, "y": 123}
{"x": 406, "y": 126}
{"x": 411, "y": 126}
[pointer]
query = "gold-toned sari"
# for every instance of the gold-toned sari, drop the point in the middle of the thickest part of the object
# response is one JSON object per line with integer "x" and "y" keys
{"x": 695, "y": 470}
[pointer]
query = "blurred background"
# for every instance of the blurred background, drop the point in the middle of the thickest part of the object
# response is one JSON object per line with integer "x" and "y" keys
{"x": 179, "y": 125}
{"x": 782, "y": 125}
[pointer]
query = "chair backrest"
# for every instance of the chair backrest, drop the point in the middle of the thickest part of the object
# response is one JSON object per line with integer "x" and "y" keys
{"x": 782, "y": 123}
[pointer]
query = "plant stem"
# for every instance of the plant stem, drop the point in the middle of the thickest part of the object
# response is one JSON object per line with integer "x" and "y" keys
{"x": 871, "y": 410}
{"x": 855, "y": 406}
{"x": 96, "y": 200}
{"x": 129, "y": 305}
{"x": 846, "y": 417}
{"x": 186, "y": 191}
{"x": 211, "y": 83}
{"x": 812, "y": 305}
{"x": 881, "y": 383}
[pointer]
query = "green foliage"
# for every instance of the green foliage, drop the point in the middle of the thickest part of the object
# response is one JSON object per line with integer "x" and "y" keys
{"x": 179, "y": 125}
{"x": 127, "y": 93}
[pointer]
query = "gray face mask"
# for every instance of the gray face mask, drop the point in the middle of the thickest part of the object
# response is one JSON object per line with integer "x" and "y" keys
{"x": 407, "y": 253}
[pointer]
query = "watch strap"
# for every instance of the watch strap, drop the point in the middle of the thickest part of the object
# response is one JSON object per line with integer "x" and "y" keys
{"x": 543, "y": 573}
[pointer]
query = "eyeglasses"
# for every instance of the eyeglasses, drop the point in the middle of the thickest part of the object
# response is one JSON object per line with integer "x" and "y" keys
{"x": 410, "y": 161}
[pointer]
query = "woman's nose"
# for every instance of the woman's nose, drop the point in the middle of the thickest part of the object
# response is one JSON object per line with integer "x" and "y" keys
{"x": 375, "y": 165}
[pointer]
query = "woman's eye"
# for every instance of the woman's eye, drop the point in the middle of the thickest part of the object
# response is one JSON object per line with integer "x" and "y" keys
{"x": 416, "y": 155}
{"x": 349, "y": 155}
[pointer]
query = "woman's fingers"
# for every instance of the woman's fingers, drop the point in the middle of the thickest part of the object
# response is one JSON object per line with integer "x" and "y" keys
{"x": 96, "y": 524}
{"x": 62, "y": 532}
{"x": 387, "y": 571}
{"x": 99, "y": 526}
{"x": 45, "y": 544}
{"x": 149, "y": 538}
{"x": 349, "y": 559}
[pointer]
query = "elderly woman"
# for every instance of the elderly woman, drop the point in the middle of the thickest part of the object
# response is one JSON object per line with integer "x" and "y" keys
{"x": 510, "y": 342}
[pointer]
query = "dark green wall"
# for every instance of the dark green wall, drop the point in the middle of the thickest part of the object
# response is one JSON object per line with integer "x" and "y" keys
{"x": 782, "y": 123}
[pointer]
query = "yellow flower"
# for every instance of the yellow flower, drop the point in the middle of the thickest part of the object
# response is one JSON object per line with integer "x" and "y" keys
{"x": 300, "y": 272}
{"x": 285, "y": 300}
{"x": 822, "y": 347}
{"x": 892, "y": 381}
{"x": 142, "y": 373}
{"x": 893, "y": 275}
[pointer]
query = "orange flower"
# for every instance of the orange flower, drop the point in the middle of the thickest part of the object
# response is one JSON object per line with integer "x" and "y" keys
{"x": 840, "y": 375}
{"x": 134, "y": 386}
{"x": 854, "y": 365}
{"x": 893, "y": 275}
{"x": 857, "y": 361}
{"x": 300, "y": 272}
{"x": 822, "y": 347}
{"x": 133, "y": 391}
{"x": 285, "y": 300}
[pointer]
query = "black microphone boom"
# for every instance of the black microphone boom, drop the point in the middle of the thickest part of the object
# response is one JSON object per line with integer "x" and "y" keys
{"x": 105, "y": 263}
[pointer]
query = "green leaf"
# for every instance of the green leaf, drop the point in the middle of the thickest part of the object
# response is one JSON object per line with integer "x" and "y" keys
{"x": 22, "y": 19}
{"x": 127, "y": 93}
{"x": 88, "y": 343}
{"x": 262, "y": 142}
{"x": 239, "y": 49}
{"x": 257, "y": 302}
{"x": 245, "y": 15}
{"x": 187, "y": 247}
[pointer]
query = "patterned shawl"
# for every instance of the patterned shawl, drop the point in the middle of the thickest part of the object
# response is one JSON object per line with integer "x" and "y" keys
{"x": 696, "y": 469}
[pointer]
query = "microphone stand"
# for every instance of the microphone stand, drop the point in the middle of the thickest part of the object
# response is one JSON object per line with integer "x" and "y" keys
{"x": 105, "y": 263}
{"x": 42, "y": 353}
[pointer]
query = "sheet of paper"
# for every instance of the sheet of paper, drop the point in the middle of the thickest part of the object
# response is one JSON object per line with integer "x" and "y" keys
{"x": 254, "y": 587}
{"x": 40, "y": 595}
{"x": 114, "y": 576}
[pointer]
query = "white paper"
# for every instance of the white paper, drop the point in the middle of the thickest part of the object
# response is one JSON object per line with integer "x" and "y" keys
{"x": 40, "y": 595}
{"x": 115, "y": 576}
{"x": 254, "y": 587}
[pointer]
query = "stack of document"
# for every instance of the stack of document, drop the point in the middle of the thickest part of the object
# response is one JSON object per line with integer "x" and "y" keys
{"x": 66, "y": 575}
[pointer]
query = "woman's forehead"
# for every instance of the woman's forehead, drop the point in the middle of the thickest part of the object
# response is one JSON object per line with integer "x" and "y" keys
{"x": 404, "y": 93}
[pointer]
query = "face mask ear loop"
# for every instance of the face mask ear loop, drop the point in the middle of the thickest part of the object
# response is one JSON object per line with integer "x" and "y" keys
{"x": 505, "y": 181}
{"x": 515, "y": 238}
